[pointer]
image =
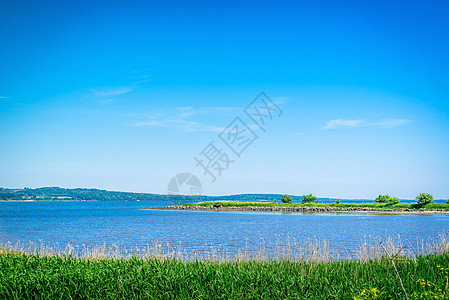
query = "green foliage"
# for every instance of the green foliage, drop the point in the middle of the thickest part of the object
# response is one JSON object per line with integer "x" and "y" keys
{"x": 286, "y": 199}
{"x": 377, "y": 206}
{"x": 309, "y": 199}
{"x": 393, "y": 201}
{"x": 386, "y": 199}
{"x": 9, "y": 196}
{"x": 274, "y": 201}
{"x": 432, "y": 206}
{"x": 338, "y": 201}
{"x": 52, "y": 277}
{"x": 424, "y": 198}
{"x": 369, "y": 294}
{"x": 432, "y": 290}
{"x": 447, "y": 202}
{"x": 381, "y": 199}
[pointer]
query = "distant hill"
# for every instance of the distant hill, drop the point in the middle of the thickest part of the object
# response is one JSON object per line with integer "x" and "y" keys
{"x": 57, "y": 193}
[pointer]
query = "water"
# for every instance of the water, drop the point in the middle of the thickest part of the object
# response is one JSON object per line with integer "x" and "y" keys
{"x": 127, "y": 225}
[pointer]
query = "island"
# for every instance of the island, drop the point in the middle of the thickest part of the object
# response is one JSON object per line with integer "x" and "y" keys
{"x": 310, "y": 207}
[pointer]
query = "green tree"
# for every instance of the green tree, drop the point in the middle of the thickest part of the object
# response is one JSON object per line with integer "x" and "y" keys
{"x": 424, "y": 198}
{"x": 338, "y": 201}
{"x": 309, "y": 199}
{"x": 286, "y": 199}
{"x": 393, "y": 201}
{"x": 447, "y": 202}
{"x": 386, "y": 199}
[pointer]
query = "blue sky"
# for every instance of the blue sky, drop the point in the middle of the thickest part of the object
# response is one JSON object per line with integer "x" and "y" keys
{"x": 123, "y": 95}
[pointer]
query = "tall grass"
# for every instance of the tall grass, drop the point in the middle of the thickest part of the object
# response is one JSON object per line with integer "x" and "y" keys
{"x": 281, "y": 249}
{"x": 284, "y": 270}
{"x": 33, "y": 276}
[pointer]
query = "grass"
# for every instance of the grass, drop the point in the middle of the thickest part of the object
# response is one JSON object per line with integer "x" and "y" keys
{"x": 279, "y": 248}
{"x": 24, "y": 276}
{"x": 379, "y": 206}
{"x": 165, "y": 273}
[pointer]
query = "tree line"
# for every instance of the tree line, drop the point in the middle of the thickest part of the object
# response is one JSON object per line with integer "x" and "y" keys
{"x": 421, "y": 199}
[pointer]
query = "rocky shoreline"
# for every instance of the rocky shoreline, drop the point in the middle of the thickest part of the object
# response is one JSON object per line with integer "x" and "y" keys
{"x": 303, "y": 209}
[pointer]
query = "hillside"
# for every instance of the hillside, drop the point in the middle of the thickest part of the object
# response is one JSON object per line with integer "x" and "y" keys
{"x": 57, "y": 193}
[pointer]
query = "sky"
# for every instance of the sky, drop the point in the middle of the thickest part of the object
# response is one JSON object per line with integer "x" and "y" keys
{"x": 126, "y": 95}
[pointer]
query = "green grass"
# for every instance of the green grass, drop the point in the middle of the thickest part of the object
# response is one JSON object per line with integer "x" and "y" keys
{"x": 25, "y": 276}
{"x": 379, "y": 206}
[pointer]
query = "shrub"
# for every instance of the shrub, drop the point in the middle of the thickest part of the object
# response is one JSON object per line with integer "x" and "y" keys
{"x": 286, "y": 199}
{"x": 393, "y": 201}
{"x": 338, "y": 201}
{"x": 386, "y": 199}
{"x": 424, "y": 198}
{"x": 309, "y": 199}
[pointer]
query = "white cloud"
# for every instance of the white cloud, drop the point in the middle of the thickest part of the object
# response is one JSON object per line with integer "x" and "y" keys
{"x": 107, "y": 101}
{"x": 142, "y": 81}
{"x": 111, "y": 92}
{"x": 188, "y": 111}
{"x": 3, "y": 97}
{"x": 385, "y": 123}
{"x": 185, "y": 111}
{"x": 280, "y": 100}
{"x": 148, "y": 123}
{"x": 188, "y": 126}
{"x": 222, "y": 109}
{"x": 342, "y": 123}
{"x": 390, "y": 122}
{"x": 183, "y": 118}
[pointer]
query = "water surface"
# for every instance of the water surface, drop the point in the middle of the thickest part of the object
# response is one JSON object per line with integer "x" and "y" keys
{"x": 127, "y": 225}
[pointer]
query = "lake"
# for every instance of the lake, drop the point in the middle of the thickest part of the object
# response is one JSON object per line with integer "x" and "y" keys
{"x": 126, "y": 224}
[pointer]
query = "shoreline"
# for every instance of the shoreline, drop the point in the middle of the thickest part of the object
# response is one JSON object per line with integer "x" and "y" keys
{"x": 300, "y": 209}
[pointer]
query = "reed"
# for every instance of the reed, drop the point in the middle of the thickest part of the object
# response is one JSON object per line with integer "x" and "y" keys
{"x": 281, "y": 249}
{"x": 34, "y": 276}
{"x": 284, "y": 269}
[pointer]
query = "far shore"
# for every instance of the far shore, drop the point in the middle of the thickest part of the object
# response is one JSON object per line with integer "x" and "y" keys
{"x": 301, "y": 209}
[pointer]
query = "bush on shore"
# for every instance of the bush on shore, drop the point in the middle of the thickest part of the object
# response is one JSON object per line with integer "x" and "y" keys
{"x": 309, "y": 199}
{"x": 386, "y": 199}
{"x": 424, "y": 199}
{"x": 286, "y": 199}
